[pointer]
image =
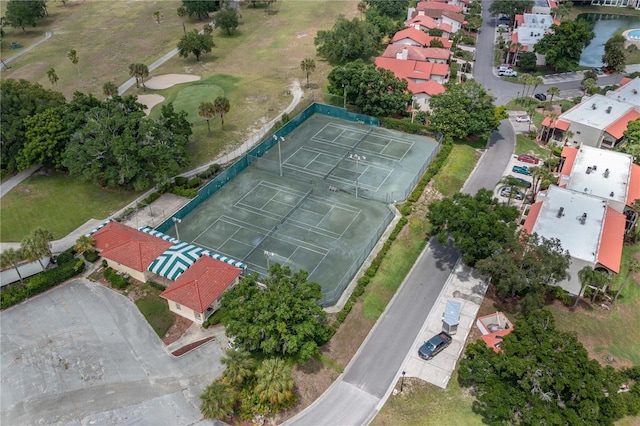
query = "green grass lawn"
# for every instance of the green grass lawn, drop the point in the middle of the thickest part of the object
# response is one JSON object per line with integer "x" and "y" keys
{"x": 57, "y": 203}
{"x": 524, "y": 145}
{"x": 462, "y": 160}
{"x": 156, "y": 311}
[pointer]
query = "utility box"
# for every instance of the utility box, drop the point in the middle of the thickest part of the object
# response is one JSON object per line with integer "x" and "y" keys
{"x": 451, "y": 317}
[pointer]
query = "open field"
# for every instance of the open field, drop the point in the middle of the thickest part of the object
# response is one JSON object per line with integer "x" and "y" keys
{"x": 462, "y": 160}
{"x": 57, "y": 203}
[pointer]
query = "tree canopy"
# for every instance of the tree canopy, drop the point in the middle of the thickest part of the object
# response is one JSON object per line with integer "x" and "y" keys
{"x": 472, "y": 107}
{"x": 479, "y": 225}
{"x": 394, "y": 9}
{"x": 631, "y": 141}
{"x": 347, "y": 41}
{"x": 543, "y": 376}
{"x": 374, "y": 91}
{"x": 525, "y": 267}
{"x": 196, "y": 44}
{"x": 510, "y": 7}
{"x": 119, "y": 147}
{"x": 22, "y": 13}
{"x": 563, "y": 45}
{"x": 20, "y": 99}
{"x": 282, "y": 319}
{"x": 614, "y": 52}
{"x": 227, "y": 19}
{"x": 199, "y": 8}
{"x": 386, "y": 25}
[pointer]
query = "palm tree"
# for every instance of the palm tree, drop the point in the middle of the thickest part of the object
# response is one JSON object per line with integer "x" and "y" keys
{"x": 513, "y": 183}
{"x": 308, "y": 66}
{"x": 36, "y": 245}
{"x": 552, "y": 121}
{"x": 158, "y": 17}
{"x": 217, "y": 401}
{"x": 552, "y": 91}
{"x": 73, "y": 57}
{"x": 516, "y": 48}
{"x": 182, "y": 12}
{"x": 632, "y": 266}
{"x": 85, "y": 243}
{"x": 240, "y": 367}
{"x": 110, "y": 89}
{"x": 539, "y": 175}
{"x": 11, "y": 257}
{"x": 362, "y": 7}
{"x": 207, "y": 29}
{"x": 44, "y": 238}
{"x": 536, "y": 81}
{"x": 207, "y": 111}
{"x": 274, "y": 385}
{"x": 221, "y": 106}
{"x": 525, "y": 80}
{"x": 139, "y": 72}
{"x": 53, "y": 77}
{"x": 590, "y": 277}
{"x": 568, "y": 135}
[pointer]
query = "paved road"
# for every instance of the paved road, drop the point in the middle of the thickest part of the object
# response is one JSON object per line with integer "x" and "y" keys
{"x": 5, "y": 62}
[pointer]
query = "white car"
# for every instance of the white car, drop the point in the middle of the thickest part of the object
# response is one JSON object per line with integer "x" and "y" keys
{"x": 507, "y": 73}
{"x": 523, "y": 119}
{"x": 503, "y": 26}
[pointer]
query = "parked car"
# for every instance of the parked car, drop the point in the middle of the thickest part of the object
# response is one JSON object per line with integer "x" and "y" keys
{"x": 525, "y": 182}
{"x": 528, "y": 159}
{"x": 503, "y": 67}
{"x": 507, "y": 190}
{"x": 523, "y": 170}
{"x": 503, "y": 26}
{"x": 434, "y": 346}
{"x": 523, "y": 119}
{"x": 540, "y": 96}
{"x": 507, "y": 73}
{"x": 504, "y": 18}
{"x": 598, "y": 71}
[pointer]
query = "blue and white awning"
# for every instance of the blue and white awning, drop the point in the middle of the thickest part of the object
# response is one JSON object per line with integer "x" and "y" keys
{"x": 175, "y": 260}
{"x": 151, "y": 231}
{"x": 225, "y": 259}
{"x": 94, "y": 230}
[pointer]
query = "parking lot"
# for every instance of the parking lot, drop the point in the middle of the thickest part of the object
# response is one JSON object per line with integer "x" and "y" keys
{"x": 83, "y": 354}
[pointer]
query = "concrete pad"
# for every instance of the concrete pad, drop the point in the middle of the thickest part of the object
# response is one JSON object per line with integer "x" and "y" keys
{"x": 168, "y": 80}
{"x": 157, "y": 212}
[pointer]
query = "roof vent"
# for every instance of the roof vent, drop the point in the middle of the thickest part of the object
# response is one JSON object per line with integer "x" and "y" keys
{"x": 606, "y": 173}
{"x": 593, "y": 106}
{"x": 611, "y": 194}
{"x": 583, "y": 219}
{"x": 609, "y": 110}
{"x": 560, "y": 212}
{"x": 586, "y": 189}
{"x": 594, "y": 167}
{"x": 634, "y": 91}
{"x": 589, "y": 171}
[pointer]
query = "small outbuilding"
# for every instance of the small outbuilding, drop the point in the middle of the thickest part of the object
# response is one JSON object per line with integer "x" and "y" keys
{"x": 451, "y": 317}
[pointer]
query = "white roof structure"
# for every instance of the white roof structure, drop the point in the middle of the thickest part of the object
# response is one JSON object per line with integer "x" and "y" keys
{"x": 576, "y": 219}
{"x": 597, "y": 111}
{"x": 600, "y": 172}
{"x": 629, "y": 93}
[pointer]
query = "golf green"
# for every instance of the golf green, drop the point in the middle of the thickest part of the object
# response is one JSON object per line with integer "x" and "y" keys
{"x": 190, "y": 98}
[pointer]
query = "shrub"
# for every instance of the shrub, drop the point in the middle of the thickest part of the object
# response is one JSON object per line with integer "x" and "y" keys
{"x": 116, "y": 280}
{"x": 104, "y": 263}
{"x": 90, "y": 256}
{"x": 157, "y": 286}
{"x": 184, "y": 192}
{"x": 181, "y": 180}
{"x": 193, "y": 182}
{"x": 152, "y": 197}
{"x": 66, "y": 256}
{"x": 215, "y": 168}
{"x": 205, "y": 175}
{"x": 468, "y": 40}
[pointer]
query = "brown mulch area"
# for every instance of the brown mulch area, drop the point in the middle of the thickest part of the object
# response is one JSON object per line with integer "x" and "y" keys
{"x": 183, "y": 350}
{"x": 180, "y": 325}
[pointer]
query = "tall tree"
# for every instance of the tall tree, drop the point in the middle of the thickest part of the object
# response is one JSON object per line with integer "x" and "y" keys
{"x": 227, "y": 19}
{"x": 158, "y": 17}
{"x": 221, "y": 106}
{"x": 216, "y": 401}
{"x": 552, "y": 92}
{"x": 23, "y": 13}
{"x": 472, "y": 106}
{"x": 20, "y": 99}
{"x": 53, "y": 77}
{"x": 510, "y": 7}
{"x": 207, "y": 111}
{"x": 479, "y": 224}
{"x": 139, "y": 72}
{"x": 11, "y": 257}
{"x": 542, "y": 376}
{"x": 240, "y": 368}
{"x": 45, "y": 139}
{"x": 396, "y": 9}
{"x": 632, "y": 266}
{"x": 347, "y": 41}
{"x": 614, "y": 52}
{"x": 375, "y": 91}
{"x": 362, "y": 7}
{"x": 525, "y": 267}
{"x": 199, "y": 8}
{"x": 563, "y": 45}
{"x": 36, "y": 245}
{"x": 85, "y": 243}
{"x": 274, "y": 385}
{"x": 182, "y": 12}
{"x": 73, "y": 57}
{"x": 514, "y": 184}
{"x": 282, "y": 318}
{"x": 110, "y": 89}
{"x": 196, "y": 44}
{"x": 308, "y": 65}
{"x": 631, "y": 141}
{"x": 596, "y": 280}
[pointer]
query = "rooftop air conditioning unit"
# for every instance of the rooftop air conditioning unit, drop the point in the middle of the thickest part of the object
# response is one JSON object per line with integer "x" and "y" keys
{"x": 611, "y": 194}
{"x": 560, "y": 212}
{"x": 606, "y": 173}
{"x": 593, "y": 106}
{"x": 589, "y": 170}
{"x": 594, "y": 167}
{"x": 634, "y": 91}
{"x": 583, "y": 219}
{"x": 609, "y": 110}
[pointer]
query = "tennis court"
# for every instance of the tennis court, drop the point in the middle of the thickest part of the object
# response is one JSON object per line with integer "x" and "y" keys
{"x": 309, "y": 218}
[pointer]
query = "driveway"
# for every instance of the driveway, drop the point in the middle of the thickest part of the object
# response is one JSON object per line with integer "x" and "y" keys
{"x": 83, "y": 354}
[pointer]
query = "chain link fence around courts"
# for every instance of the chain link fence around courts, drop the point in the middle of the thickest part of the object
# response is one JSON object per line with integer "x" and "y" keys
{"x": 259, "y": 150}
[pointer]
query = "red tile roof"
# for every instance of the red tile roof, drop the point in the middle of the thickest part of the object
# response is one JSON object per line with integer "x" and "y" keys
{"x": 128, "y": 246}
{"x": 633, "y": 189}
{"x": 416, "y": 70}
{"x": 617, "y": 128}
{"x": 611, "y": 240}
{"x": 428, "y": 22}
{"x": 414, "y": 34}
{"x": 530, "y": 221}
{"x": 494, "y": 340}
{"x": 570, "y": 157}
{"x": 557, "y": 124}
{"x": 430, "y": 87}
{"x": 416, "y": 53}
{"x": 434, "y": 5}
{"x": 625, "y": 80}
{"x": 202, "y": 283}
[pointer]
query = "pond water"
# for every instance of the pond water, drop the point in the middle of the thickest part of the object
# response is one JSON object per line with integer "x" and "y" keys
{"x": 604, "y": 27}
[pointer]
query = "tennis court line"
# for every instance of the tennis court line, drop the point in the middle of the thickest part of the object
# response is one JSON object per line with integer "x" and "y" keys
{"x": 350, "y": 223}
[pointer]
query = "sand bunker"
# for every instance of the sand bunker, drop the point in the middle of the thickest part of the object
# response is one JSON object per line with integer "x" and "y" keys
{"x": 167, "y": 80}
{"x": 150, "y": 101}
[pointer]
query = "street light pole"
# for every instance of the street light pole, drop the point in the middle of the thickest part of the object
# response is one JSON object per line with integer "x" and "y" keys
{"x": 413, "y": 101}
{"x": 344, "y": 96}
{"x": 402, "y": 381}
{"x": 267, "y": 255}
{"x": 176, "y": 221}
{"x": 357, "y": 158}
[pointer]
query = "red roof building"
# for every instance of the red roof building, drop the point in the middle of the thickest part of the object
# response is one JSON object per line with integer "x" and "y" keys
{"x": 196, "y": 293}
{"x": 416, "y": 53}
{"x": 418, "y": 38}
{"x": 128, "y": 250}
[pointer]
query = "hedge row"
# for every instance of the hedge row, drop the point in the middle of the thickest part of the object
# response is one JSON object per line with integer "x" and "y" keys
{"x": 404, "y": 126}
{"x": 68, "y": 267}
{"x": 406, "y": 209}
{"x": 116, "y": 280}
